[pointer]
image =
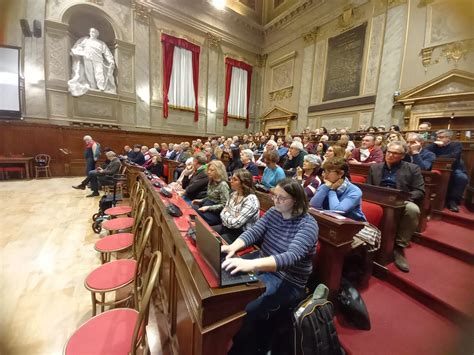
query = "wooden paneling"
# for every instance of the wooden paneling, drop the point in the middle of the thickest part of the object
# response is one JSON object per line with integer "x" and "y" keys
{"x": 31, "y": 139}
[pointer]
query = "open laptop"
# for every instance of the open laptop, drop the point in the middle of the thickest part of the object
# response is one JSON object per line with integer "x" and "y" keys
{"x": 209, "y": 246}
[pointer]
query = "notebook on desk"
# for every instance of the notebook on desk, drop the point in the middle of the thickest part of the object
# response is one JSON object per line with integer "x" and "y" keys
{"x": 209, "y": 247}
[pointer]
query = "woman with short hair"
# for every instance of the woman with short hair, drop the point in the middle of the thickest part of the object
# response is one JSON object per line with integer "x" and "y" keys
{"x": 242, "y": 208}
{"x": 308, "y": 175}
{"x": 287, "y": 236}
{"x": 272, "y": 173}
{"x": 246, "y": 156}
{"x": 218, "y": 190}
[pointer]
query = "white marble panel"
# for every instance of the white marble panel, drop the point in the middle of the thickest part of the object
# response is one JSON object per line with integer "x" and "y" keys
{"x": 57, "y": 56}
{"x": 142, "y": 74}
{"x": 97, "y": 108}
{"x": 375, "y": 48}
{"x": 318, "y": 72}
{"x": 337, "y": 122}
{"x": 57, "y": 104}
{"x": 125, "y": 67}
{"x": 156, "y": 64}
{"x": 390, "y": 70}
{"x": 365, "y": 120}
{"x": 127, "y": 114}
{"x": 212, "y": 87}
{"x": 305, "y": 88}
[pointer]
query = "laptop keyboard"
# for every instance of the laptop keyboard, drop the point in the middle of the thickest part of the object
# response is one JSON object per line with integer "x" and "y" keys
{"x": 227, "y": 276}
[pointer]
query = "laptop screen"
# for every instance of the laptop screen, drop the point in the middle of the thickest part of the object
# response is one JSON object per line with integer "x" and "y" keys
{"x": 209, "y": 247}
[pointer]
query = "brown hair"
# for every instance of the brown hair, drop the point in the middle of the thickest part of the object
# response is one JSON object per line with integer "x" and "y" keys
{"x": 339, "y": 152}
{"x": 296, "y": 191}
{"x": 336, "y": 164}
{"x": 271, "y": 156}
{"x": 246, "y": 181}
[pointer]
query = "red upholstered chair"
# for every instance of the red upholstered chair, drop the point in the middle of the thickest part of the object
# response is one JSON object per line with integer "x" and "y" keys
{"x": 120, "y": 241}
{"x": 117, "y": 274}
{"x": 358, "y": 178}
{"x": 166, "y": 172}
{"x": 121, "y": 330}
{"x": 373, "y": 212}
{"x": 136, "y": 195}
{"x": 119, "y": 224}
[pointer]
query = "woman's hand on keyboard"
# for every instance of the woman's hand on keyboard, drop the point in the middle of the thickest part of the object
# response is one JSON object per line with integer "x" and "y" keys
{"x": 235, "y": 265}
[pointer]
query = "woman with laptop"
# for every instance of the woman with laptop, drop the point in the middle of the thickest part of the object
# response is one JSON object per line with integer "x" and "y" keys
{"x": 287, "y": 236}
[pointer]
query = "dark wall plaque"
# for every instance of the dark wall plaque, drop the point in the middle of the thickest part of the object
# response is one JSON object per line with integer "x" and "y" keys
{"x": 344, "y": 64}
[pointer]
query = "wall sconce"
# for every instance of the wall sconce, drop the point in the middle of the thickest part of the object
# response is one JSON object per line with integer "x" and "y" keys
{"x": 25, "y": 28}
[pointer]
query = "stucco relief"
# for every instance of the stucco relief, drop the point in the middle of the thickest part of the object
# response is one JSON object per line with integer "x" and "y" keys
{"x": 95, "y": 109}
{"x": 365, "y": 120}
{"x": 57, "y": 104}
{"x": 56, "y": 60}
{"x": 125, "y": 69}
{"x": 337, "y": 122}
{"x": 375, "y": 51}
{"x": 282, "y": 75}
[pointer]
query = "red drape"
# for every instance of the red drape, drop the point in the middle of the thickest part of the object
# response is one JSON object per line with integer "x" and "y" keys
{"x": 236, "y": 63}
{"x": 169, "y": 42}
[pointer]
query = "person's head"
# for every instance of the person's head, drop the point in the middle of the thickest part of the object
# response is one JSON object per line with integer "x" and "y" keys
{"x": 289, "y": 197}
{"x": 394, "y": 128}
{"x": 110, "y": 155}
{"x": 170, "y": 147}
{"x": 381, "y": 128}
{"x": 415, "y": 138}
{"x": 235, "y": 139}
{"x": 279, "y": 142}
{"x": 334, "y": 169}
{"x": 144, "y": 149}
{"x": 153, "y": 152}
{"x": 379, "y": 140}
{"x": 177, "y": 147}
{"x": 208, "y": 153}
{"x": 127, "y": 148}
{"x": 271, "y": 157}
{"x": 424, "y": 126}
{"x": 297, "y": 139}
{"x": 323, "y": 130}
{"x": 344, "y": 139}
{"x": 335, "y": 151}
{"x": 94, "y": 33}
{"x": 324, "y": 138}
{"x": 87, "y": 139}
{"x": 311, "y": 162}
{"x": 235, "y": 153}
{"x": 394, "y": 136}
{"x": 271, "y": 145}
{"x": 137, "y": 148}
{"x": 164, "y": 146}
{"x": 216, "y": 171}
{"x": 245, "y": 138}
{"x": 444, "y": 135}
{"x": 296, "y": 148}
{"x": 368, "y": 141}
{"x": 246, "y": 156}
{"x": 156, "y": 146}
{"x": 396, "y": 151}
{"x": 242, "y": 182}
{"x": 199, "y": 160}
{"x": 372, "y": 129}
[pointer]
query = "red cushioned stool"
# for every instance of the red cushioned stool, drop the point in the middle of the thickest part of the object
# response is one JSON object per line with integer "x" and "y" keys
{"x": 121, "y": 330}
{"x": 137, "y": 195}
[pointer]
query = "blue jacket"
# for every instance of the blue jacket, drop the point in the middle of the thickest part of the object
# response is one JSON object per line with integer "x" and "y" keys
{"x": 271, "y": 177}
{"x": 452, "y": 150}
{"x": 424, "y": 159}
{"x": 347, "y": 198}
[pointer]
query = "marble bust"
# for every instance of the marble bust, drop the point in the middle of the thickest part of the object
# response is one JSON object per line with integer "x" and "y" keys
{"x": 92, "y": 66}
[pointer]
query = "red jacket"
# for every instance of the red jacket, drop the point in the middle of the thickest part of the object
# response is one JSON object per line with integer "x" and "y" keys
{"x": 376, "y": 155}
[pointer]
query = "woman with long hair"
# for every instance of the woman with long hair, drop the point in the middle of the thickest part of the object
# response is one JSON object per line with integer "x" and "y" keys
{"x": 234, "y": 162}
{"x": 218, "y": 190}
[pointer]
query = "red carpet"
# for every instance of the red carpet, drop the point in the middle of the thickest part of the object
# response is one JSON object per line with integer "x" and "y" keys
{"x": 400, "y": 326}
{"x": 440, "y": 276}
{"x": 451, "y": 235}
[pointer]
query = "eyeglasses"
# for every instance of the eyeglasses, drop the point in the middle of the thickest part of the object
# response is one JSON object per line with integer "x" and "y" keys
{"x": 279, "y": 198}
{"x": 394, "y": 153}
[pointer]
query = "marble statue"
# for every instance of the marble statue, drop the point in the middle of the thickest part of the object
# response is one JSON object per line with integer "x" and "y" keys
{"x": 92, "y": 66}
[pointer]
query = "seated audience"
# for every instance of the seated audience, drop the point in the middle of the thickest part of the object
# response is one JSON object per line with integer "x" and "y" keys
{"x": 372, "y": 129}
{"x": 246, "y": 156}
{"x": 425, "y": 131}
{"x": 195, "y": 184}
{"x": 251, "y": 144}
{"x": 269, "y": 146}
{"x": 282, "y": 148}
{"x": 346, "y": 143}
{"x": 381, "y": 129}
{"x": 156, "y": 166}
{"x": 234, "y": 162}
{"x": 296, "y": 155}
{"x": 152, "y": 152}
{"x": 164, "y": 150}
{"x": 335, "y": 151}
{"x": 137, "y": 155}
{"x": 308, "y": 175}
{"x": 394, "y": 128}
{"x": 127, "y": 151}
{"x": 367, "y": 153}
{"x": 146, "y": 154}
{"x": 210, "y": 207}
{"x": 337, "y": 193}
{"x": 272, "y": 173}
{"x": 395, "y": 136}
{"x": 288, "y": 236}
{"x": 170, "y": 151}
{"x": 398, "y": 174}
{"x": 242, "y": 209}
{"x": 444, "y": 147}
{"x": 209, "y": 154}
{"x": 101, "y": 176}
{"x": 307, "y": 145}
{"x": 380, "y": 142}
{"x": 321, "y": 148}
{"x": 416, "y": 154}
{"x": 187, "y": 171}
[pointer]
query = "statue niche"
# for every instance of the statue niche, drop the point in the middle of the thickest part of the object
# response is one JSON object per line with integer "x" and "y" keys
{"x": 93, "y": 66}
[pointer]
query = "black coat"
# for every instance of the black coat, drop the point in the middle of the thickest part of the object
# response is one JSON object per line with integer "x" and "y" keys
{"x": 196, "y": 186}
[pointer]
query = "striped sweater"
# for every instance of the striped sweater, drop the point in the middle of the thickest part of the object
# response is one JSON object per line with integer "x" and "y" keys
{"x": 292, "y": 242}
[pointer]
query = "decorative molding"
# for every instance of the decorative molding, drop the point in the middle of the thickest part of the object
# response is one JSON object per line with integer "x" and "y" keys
{"x": 262, "y": 60}
{"x": 213, "y": 40}
{"x": 395, "y": 3}
{"x": 346, "y": 19}
{"x": 290, "y": 15}
{"x": 281, "y": 94}
{"x": 142, "y": 12}
{"x": 423, "y": 3}
{"x": 97, "y": 2}
{"x": 454, "y": 51}
{"x": 311, "y": 36}
{"x": 283, "y": 59}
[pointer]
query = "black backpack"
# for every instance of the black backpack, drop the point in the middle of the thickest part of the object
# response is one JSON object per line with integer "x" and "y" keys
{"x": 314, "y": 330}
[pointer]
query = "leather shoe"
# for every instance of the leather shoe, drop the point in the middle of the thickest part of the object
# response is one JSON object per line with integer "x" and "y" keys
{"x": 93, "y": 194}
{"x": 400, "y": 260}
{"x": 453, "y": 206}
{"x": 79, "y": 187}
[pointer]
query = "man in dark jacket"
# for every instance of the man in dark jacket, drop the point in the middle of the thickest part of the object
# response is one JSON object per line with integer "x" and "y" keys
{"x": 443, "y": 147}
{"x": 296, "y": 155}
{"x": 416, "y": 154}
{"x": 101, "y": 176}
{"x": 398, "y": 174}
{"x": 137, "y": 156}
{"x": 196, "y": 185}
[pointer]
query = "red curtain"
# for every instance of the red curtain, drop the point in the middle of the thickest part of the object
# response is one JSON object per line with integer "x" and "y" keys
{"x": 236, "y": 63}
{"x": 169, "y": 42}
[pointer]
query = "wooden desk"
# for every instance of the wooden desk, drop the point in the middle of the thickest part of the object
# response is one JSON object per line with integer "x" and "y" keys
{"x": 172, "y": 165}
{"x": 27, "y": 162}
{"x": 201, "y": 320}
{"x": 335, "y": 237}
{"x": 445, "y": 167}
{"x": 392, "y": 202}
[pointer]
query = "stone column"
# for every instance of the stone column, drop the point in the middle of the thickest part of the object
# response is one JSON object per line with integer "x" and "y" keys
{"x": 391, "y": 64}
{"x": 306, "y": 76}
{"x": 213, "y": 45}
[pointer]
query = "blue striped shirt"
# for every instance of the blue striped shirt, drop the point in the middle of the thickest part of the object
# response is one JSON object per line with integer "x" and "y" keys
{"x": 292, "y": 242}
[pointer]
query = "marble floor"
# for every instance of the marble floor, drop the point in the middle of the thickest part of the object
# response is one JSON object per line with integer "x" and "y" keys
{"x": 46, "y": 251}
